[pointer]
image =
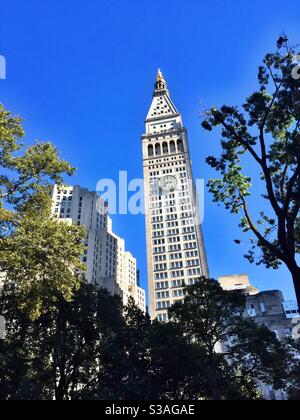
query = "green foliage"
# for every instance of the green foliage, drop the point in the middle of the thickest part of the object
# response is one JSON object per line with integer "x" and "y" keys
{"x": 25, "y": 170}
{"x": 265, "y": 129}
{"x": 41, "y": 257}
{"x": 294, "y": 385}
{"x": 91, "y": 348}
{"x": 210, "y": 317}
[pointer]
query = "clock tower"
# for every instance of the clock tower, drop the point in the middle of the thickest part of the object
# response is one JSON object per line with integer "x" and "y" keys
{"x": 175, "y": 248}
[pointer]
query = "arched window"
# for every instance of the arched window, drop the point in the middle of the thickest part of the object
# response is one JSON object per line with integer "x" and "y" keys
{"x": 157, "y": 149}
{"x": 165, "y": 148}
{"x": 150, "y": 151}
{"x": 172, "y": 147}
{"x": 179, "y": 145}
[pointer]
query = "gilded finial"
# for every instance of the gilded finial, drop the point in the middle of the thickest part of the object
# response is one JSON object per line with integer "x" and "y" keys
{"x": 160, "y": 76}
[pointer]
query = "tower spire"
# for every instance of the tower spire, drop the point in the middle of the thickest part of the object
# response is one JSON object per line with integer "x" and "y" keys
{"x": 162, "y": 104}
{"x": 159, "y": 76}
{"x": 160, "y": 84}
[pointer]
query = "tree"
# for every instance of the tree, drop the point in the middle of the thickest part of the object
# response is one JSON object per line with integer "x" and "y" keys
{"x": 124, "y": 357}
{"x": 294, "y": 375}
{"x": 39, "y": 256}
{"x": 91, "y": 348}
{"x": 56, "y": 356}
{"x": 267, "y": 130}
{"x": 211, "y": 317}
{"x": 177, "y": 367}
{"x": 25, "y": 171}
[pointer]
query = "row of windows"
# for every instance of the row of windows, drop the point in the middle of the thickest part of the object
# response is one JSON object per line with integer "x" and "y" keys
{"x": 165, "y": 148}
{"x": 163, "y": 305}
{"x": 157, "y": 162}
{"x": 163, "y": 317}
{"x": 175, "y": 248}
{"x": 171, "y": 213}
{"x": 177, "y": 264}
{"x": 178, "y": 165}
{"x": 172, "y": 220}
{"x": 176, "y": 283}
{"x": 166, "y": 294}
{"x": 171, "y": 239}
{"x": 176, "y": 274}
{"x": 171, "y": 231}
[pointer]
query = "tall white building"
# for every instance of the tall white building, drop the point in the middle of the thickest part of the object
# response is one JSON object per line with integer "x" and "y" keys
{"x": 175, "y": 249}
{"x": 127, "y": 276}
{"x": 107, "y": 263}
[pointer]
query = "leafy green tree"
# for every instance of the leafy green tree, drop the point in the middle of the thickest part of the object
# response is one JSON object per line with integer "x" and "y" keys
{"x": 25, "y": 171}
{"x": 266, "y": 129}
{"x": 91, "y": 348}
{"x": 58, "y": 355}
{"x": 39, "y": 256}
{"x": 177, "y": 367}
{"x": 23, "y": 369}
{"x": 211, "y": 317}
{"x": 140, "y": 360}
{"x": 294, "y": 376}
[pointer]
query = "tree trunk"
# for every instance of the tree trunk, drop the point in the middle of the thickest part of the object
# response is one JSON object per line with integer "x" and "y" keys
{"x": 61, "y": 392}
{"x": 295, "y": 270}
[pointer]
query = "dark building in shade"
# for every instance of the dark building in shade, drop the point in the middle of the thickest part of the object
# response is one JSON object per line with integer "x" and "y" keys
{"x": 267, "y": 308}
{"x": 270, "y": 309}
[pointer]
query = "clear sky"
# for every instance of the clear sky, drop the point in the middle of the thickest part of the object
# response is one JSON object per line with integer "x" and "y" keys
{"x": 81, "y": 73}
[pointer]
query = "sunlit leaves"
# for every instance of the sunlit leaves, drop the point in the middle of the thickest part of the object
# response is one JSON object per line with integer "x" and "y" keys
{"x": 266, "y": 131}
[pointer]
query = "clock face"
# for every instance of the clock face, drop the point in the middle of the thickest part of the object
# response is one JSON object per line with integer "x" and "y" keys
{"x": 168, "y": 183}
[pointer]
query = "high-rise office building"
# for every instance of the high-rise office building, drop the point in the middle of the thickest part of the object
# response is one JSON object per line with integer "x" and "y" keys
{"x": 175, "y": 248}
{"x": 127, "y": 276}
{"x": 107, "y": 263}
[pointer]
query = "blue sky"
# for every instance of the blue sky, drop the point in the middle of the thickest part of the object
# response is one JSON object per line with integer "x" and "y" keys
{"x": 81, "y": 73}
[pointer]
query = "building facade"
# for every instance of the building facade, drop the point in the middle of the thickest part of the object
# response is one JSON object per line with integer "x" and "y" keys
{"x": 127, "y": 276}
{"x": 267, "y": 308}
{"x": 270, "y": 309}
{"x": 175, "y": 248}
{"x": 238, "y": 282}
{"x": 107, "y": 263}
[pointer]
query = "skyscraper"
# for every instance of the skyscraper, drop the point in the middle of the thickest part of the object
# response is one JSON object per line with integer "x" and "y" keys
{"x": 175, "y": 248}
{"x": 107, "y": 263}
{"x": 127, "y": 276}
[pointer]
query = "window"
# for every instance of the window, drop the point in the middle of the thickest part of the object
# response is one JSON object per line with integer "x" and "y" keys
{"x": 172, "y": 147}
{"x": 157, "y": 149}
{"x": 251, "y": 311}
{"x": 165, "y": 148}
{"x": 262, "y": 307}
{"x": 162, "y": 318}
{"x": 179, "y": 146}
{"x": 150, "y": 151}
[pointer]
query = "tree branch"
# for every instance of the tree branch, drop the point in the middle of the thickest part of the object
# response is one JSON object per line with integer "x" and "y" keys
{"x": 242, "y": 142}
{"x": 259, "y": 236}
